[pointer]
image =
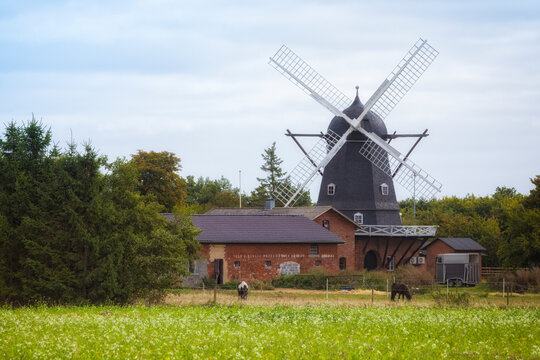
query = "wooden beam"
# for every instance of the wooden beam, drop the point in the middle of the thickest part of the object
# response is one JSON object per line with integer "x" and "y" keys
{"x": 385, "y": 252}
{"x": 416, "y": 250}
{"x": 396, "y": 249}
{"x": 304, "y": 151}
{"x": 365, "y": 246}
{"x": 410, "y": 151}
{"x": 405, "y": 253}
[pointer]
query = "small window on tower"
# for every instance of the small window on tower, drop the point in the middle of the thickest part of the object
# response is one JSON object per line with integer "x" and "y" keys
{"x": 326, "y": 224}
{"x": 237, "y": 264}
{"x": 384, "y": 189}
{"x": 359, "y": 218}
{"x": 331, "y": 189}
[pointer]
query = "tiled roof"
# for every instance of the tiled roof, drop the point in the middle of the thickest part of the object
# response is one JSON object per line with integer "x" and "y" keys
{"x": 311, "y": 212}
{"x": 460, "y": 244}
{"x": 261, "y": 229}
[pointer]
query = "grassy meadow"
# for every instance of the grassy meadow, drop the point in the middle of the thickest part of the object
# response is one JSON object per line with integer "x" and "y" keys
{"x": 308, "y": 326}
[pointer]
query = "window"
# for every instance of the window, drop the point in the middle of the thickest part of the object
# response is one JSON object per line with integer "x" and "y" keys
{"x": 384, "y": 189}
{"x": 318, "y": 263}
{"x": 237, "y": 264}
{"x": 331, "y": 189}
{"x": 314, "y": 249}
{"x": 342, "y": 263}
{"x": 268, "y": 264}
{"x": 359, "y": 218}
{"x": 194, "y": 268}
{"x": 390, "y": 263}
{"x": 326, "y": 224}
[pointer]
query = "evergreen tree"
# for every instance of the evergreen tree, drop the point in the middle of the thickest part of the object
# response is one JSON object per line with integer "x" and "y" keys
{"x": 274, "y": 177}
{"x": 70, "y": 234}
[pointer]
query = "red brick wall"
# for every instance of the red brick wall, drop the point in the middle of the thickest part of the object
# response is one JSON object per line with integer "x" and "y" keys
{"x": 345, "y": 230}
{"x": 252, "y": 258}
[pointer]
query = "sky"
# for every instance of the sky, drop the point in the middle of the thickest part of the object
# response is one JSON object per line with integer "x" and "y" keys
{"x": 192, "y": 78}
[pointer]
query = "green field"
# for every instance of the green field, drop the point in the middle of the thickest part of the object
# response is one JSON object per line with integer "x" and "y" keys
{"x": 270, "y": 332}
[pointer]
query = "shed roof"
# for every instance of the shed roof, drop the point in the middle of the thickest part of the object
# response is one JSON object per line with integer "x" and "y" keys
{"x": 261, "y": 229}
{"x": 459, "y": 244}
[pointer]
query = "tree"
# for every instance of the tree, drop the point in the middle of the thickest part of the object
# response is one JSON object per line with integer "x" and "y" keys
{"x": 204, "y": 194}
{"x": 71, "y": 234}
{"x": 271, "y": 166}
{"x": 533, "y": 200}
{"x": 158, "y": 177}
{"x": 274, "y": 177}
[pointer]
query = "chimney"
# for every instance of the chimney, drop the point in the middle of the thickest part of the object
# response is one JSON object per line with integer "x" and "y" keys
{"x": 270, "y": 204}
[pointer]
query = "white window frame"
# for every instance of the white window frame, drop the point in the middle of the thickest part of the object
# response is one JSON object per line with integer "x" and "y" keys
{"x": 384, "y": 189}
{"x": 326, "y": 224}
{"x": 358, "y": 218}
{"x": 314, "y": 249}
{"x": 390, "y": 265}
{"x": 331, "y": 189}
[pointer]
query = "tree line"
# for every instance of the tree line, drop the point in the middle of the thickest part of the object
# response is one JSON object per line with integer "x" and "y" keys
{"x": 506, "y": 223}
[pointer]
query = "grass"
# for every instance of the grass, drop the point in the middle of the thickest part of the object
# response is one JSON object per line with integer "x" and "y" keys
{"x": 479, "y": 296}
{"x": 269, "y": 332}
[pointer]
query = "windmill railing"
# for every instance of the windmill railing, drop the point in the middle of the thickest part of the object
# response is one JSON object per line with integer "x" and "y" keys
{"x": 397, "y": 230}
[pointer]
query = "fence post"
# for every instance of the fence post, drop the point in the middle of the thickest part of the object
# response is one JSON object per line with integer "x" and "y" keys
{"x": 372, "y": 295}
{"x": 215, "y": 292}
{"x": 503, "y": 288}
{"x": 363, "y": 280}
{"x": 326, "y": 289}
{"x": 447, "y": 290}
{"x": 387, "y": 280}
{"x": 508, "y": 296}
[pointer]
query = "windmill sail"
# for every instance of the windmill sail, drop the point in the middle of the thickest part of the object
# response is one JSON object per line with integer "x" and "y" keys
{"x": 393, "y": 88}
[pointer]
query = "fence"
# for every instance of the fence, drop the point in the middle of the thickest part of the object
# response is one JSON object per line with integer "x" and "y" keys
{"x": 487, "y": 271}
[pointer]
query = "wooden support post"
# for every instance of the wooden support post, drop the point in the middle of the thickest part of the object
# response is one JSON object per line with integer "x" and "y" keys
{"x": 385, "y": 252}
{"x": 372, "y": 295}
{"x": 405, "y": 253}
{"x": 365, "y": 245}
{"x": 396, "y": 249}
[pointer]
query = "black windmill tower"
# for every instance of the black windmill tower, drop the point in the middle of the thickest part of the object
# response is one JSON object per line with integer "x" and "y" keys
{"x": 353, "y": 184}
{"x": 355, "y": 158}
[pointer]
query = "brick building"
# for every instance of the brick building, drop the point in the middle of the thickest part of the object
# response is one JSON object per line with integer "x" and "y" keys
{"x": 431, "y": 250}
{"x": 326, "y": 216}
{"x": 263, "y": 247}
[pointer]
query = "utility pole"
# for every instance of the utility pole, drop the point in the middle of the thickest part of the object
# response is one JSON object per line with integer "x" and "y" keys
{"x": 240, "y": 186}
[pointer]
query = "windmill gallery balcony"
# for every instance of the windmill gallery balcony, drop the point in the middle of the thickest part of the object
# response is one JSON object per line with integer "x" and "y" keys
{"x": 397, "y": 230}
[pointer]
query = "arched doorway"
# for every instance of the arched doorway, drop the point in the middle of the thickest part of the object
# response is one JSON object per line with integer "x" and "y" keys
{"x": 370, "y": 261}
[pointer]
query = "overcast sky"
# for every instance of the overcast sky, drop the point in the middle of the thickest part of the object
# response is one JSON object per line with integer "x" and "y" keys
{"x": 192, "y": 78}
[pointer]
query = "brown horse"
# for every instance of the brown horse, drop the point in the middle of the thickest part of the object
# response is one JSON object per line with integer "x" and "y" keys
{"x": 402, "y": 290}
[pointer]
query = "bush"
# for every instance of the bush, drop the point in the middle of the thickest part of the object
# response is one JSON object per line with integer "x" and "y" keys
{"x": 231, "y": 285}
{"x": 418, "y": 281}
{"x": 452, "y": 299}
{"x": 209, "y": 283}
{"x": 528, "y": 280}
{"x": 260, "y": 285}
{"x": 518, "y": 281}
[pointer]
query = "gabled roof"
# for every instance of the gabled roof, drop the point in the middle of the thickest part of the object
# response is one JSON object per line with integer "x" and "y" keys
{"x": 311, "y": 212}
{"x": 459, "y": 244}
{"x": 261, "y": 229}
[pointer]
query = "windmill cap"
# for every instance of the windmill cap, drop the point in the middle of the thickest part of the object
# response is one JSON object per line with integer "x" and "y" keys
{"x": 371, "y": 122}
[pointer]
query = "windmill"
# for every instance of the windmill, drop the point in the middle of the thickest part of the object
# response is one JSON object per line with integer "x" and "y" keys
{"x": 372, "y": 146}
